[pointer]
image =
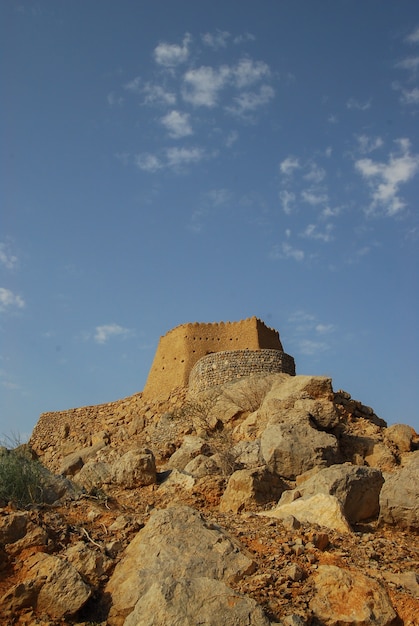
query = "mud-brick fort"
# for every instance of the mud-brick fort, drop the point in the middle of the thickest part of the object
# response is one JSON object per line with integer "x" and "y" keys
{"x": 200, "y": 356}
{"x": 190, "y": 358}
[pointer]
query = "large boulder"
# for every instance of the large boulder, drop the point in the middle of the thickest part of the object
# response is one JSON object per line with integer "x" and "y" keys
{"x": 191, "y": 447}
{"x": 51, "y": 584}
{"x": 135, "y": 468}
{"x": 250, "y": 487}
{"x": 402, "y": 436}
{"x": 321, "y": 510}
{"x": 356, "y": 487}
{"x": 293, "y": 447}
{"x": 399, "y": 497}
{"x": 177, "y": 543}
{"x": 348, "y": 597}
{"x": 198, "y": 601}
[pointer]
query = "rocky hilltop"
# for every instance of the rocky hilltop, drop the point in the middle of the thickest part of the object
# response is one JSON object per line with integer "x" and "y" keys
{"x": 271, "y": 499}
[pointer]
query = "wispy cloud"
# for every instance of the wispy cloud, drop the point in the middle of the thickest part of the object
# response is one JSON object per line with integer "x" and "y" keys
{"x": 177, "y": 124}
{"x": 315, "y": 173}
{"x": 107, "y": 331}
{"x": 289, "y": 165}
{"x": 410, "y": 96}
{"x": 369, "y": 144}
{"x": 287, "y": 199}
{"x": 157, "y": 94}
{"x": 9, "y": 300}
{"x": 243, "y": 38}
{"x": 247, "y": 72}
{"x": 249, "y": 101}
{"x": 314, "y": 196}
{"x": 172, "y": 158}
{"x": 287, "y": 251}
{"x": 203, "y": 85}
{"x": 216, "y": 40}
{"x": 178, "y": 157}
{"x": 353, "y": 103}
{"x": 171, "y": 55}
{"x": 7, "y": 258}
{"x": 148, "y": 162}
{"x": 410, "y": 64}
{"x": 312, "y": 232}
{"x": 114, "y": 100}
{"x": 310, "y": 347}
{"x": 385, "y": 179}
{"x": 413, "y": 37}
{"x": 309, "y": 334}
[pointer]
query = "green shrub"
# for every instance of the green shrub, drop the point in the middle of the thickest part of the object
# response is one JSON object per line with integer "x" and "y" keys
{"x": 20, "y": 478}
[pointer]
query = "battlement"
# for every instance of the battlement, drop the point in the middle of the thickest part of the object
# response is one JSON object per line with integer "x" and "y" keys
{"x": 182, "y": 347}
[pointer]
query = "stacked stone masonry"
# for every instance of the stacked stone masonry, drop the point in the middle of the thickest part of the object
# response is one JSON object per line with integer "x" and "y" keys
{"x": 222, "y": 367}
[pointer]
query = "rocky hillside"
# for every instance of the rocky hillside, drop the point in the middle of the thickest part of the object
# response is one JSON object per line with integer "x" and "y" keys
{"x": 272, "y": 500}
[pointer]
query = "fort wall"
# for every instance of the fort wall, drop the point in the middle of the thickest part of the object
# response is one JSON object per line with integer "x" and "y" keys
{"x": 223, "y": 367}
{"x": 182, "y": 347}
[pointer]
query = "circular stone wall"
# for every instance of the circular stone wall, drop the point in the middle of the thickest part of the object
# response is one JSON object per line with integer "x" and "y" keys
{"x": 223, "y": 367}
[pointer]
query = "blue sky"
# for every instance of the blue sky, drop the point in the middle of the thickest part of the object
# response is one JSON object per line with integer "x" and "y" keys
{"x": 168, "y": 162}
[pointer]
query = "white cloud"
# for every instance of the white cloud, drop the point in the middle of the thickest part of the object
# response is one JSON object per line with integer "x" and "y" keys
{"x": 288, "y": 165}
{"x": 410, "y": 97}
{"x": 148, "y": 162}
{"x": 369, "y": 144}
{"x": 315, "y": 173}
{"x": 177, "y": 157}
{"x": 156, "y": 94}
{"x": 310, "y": 347}
{"x": 329, "y": 211}
{"x": 314, "y": 197}
{"x": 134, "y": 85}
{"x": 323, "y": 329}
{"x": 413, "y": 37}
{"x": 105, "y": 332}
{"x": 9, "y": 300}
{"x": 312, "y": 232}
{"x": 287, "y": 199}
{"x": 385, "y": 179}
{"x": 243, "y": 38}
{"x": 216, "y": 40}
{"x": 177, "y": 124}
{"x": 231, "y": 138}
{"x": 170, "y": 55}
{"x": 219, "y": 197}
{"x": 248, "y": 72}
{"x": 249, "y": 101}
{"x": 352, "y": 103}
{"x": 289, "y": 252}
{"x": 410, "y": 63}
{"x": 114, "y": 100}
{"x": 202, "y": 85}
{"x": 7, "y": 259}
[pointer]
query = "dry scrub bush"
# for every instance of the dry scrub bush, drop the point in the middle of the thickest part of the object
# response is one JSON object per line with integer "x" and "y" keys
{"x": 20, "y": 478}
{"x": 200, "y": 413}
{"x": 248, "y": 393}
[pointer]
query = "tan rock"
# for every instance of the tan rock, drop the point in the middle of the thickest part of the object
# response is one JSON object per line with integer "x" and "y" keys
{"x": 246, "y": 488}
{"x": 350, "y": 598}
{"x": 321, "y": 509}
{"x": 176, "y": 543}
{"x": 61, "y": 589}
{"x": 135, "y": 468}
{"x": 198, "y": 601}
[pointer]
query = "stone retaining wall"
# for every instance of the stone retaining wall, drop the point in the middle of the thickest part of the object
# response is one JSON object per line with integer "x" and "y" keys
{"x": 222, "y": 367}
